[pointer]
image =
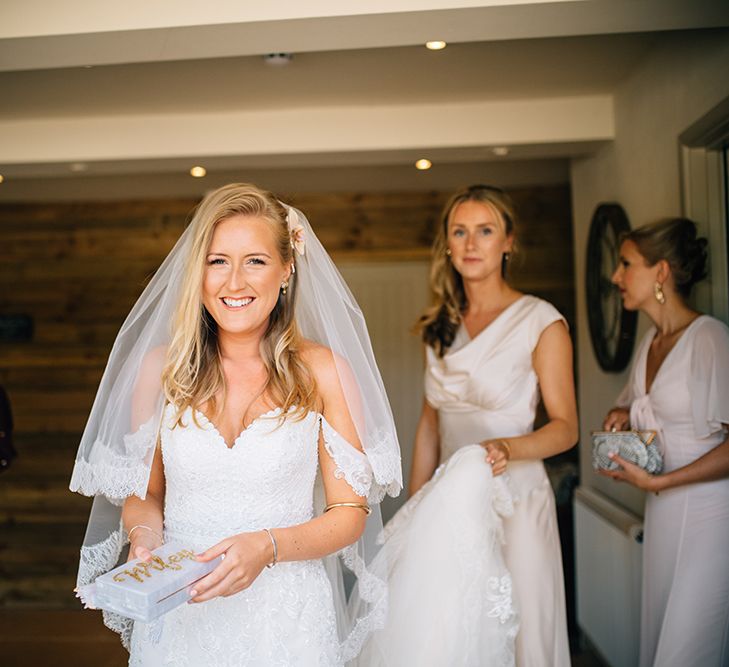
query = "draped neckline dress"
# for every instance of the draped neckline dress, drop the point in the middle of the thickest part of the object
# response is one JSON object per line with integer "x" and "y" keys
{"x": 486, "y": 387}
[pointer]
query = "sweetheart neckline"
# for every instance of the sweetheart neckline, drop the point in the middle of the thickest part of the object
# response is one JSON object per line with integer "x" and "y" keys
{"x": 214, "y": 429}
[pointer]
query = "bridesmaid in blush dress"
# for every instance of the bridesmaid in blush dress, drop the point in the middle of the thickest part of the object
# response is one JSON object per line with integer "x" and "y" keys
{"x": 679, "y": 387}
{"x": 490, "y": 351}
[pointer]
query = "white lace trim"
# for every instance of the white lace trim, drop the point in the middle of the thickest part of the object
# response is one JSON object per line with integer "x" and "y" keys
{"x": 95, "y": 560}
{"x": 371, "y": 473}
{"x": 117, "y": 474}
{"x": 384, "y": 456}
{"x": 500, "y": 596}
{"x": 352, "y": 464}
{"x": 372, "y": 590}
{"x": 357, "y": 469}
{"x": 504, "y": 498}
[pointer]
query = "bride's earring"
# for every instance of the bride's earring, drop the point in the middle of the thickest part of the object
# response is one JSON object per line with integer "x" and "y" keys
{"x": 284, "y": 287}
{"x": 659, "y": 293}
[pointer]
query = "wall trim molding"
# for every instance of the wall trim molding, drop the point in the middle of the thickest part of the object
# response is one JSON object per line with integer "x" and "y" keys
{"x": 704, "y": 199}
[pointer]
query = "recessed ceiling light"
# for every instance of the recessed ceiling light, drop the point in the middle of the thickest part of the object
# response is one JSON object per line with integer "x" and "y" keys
{"x": 78, "y": 167}
{"x": 500, "y": 151}
{"x": 435, "y": 45}
{"x": 423, "y": 164}
{"x": 278, "y": 59}
{"x": 198, "y": 171}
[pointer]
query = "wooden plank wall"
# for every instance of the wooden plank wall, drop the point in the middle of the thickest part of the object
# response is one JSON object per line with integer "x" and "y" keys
{"x": 76, "y": 269}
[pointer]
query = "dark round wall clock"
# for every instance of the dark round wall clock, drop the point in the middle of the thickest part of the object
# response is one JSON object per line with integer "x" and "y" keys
{"x": 612, "y": 328}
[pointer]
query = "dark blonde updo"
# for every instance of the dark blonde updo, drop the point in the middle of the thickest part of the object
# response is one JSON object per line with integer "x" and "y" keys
{"x": 675, "y": 240}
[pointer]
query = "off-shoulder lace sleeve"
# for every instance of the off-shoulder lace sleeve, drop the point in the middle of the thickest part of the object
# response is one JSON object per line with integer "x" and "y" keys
{"x": 117, "y": 472}
{"x": 351, "y": 463}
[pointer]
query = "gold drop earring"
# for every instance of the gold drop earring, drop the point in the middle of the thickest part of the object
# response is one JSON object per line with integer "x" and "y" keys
{"x": 284, "y": 287}
{"x": 659, "y": 293}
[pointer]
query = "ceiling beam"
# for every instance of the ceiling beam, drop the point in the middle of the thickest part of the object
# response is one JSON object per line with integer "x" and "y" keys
{"x": 308, "y": 130}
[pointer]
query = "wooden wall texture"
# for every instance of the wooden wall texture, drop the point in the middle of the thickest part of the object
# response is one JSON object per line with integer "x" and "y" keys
{"x": 76, "y": 269}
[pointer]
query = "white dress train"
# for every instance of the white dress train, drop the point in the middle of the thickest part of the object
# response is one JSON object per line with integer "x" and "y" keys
{"x": 450, "y": 595}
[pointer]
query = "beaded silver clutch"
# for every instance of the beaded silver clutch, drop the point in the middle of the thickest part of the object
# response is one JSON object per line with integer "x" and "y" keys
{"x": 638, "y": 447}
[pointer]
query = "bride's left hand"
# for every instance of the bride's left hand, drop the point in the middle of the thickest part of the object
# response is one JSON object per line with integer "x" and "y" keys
{"x": 244, "y": 557}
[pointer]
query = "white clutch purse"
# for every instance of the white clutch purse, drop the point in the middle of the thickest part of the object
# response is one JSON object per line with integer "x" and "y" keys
{"x": 145, "y": 591}
{"x": 638, "y": 447}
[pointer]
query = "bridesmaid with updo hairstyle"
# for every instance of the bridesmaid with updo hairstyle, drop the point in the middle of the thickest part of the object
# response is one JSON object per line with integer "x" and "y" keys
{"x": 679, "y": 387}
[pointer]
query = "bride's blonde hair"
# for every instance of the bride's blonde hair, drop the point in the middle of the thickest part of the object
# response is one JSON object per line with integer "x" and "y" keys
{"x": 193, "y": 374}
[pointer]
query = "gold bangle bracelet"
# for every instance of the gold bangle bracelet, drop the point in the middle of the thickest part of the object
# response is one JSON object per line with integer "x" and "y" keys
{"x": 151, "y": 530}
{"x": 275, "y": 548}
{"x": 365, "y": 508}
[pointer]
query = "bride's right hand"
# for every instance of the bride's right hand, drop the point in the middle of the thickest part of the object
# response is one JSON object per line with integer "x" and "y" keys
{"x": 618, "y": 419}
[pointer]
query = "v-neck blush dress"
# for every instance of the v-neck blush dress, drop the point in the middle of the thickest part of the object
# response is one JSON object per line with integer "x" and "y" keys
{"x": 485, "y": 388}
{"x": 685, "y": 597}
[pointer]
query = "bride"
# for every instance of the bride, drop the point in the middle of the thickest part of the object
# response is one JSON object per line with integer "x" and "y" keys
{"x": 458, "y": 595}
{"x": 227, "y": 395}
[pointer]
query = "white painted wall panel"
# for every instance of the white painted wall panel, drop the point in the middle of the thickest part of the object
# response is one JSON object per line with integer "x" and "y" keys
{"x": 392, "y": 295}
{"x": 608, "y": 564}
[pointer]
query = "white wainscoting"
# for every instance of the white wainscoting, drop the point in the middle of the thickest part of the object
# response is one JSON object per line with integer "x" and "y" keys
{"x": 392, "y": 295}
{"x": 608, "y": 564}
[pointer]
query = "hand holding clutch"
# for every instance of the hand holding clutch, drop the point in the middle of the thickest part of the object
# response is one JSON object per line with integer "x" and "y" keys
{"x": 637, "y": 447}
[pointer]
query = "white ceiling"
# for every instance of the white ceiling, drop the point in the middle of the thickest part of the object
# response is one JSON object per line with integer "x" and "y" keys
{"x": 36, "y": 34}
{"x": 169, "y": 88}
{"x": 469, "y": 72}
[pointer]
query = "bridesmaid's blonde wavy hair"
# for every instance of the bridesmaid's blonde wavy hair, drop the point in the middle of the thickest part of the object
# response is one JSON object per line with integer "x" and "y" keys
{"x": 440, "y": 321}
{"x": 193, "y": 375}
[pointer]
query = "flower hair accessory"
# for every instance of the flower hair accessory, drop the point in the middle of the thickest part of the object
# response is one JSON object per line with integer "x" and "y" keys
{"x": 296, "y": 231}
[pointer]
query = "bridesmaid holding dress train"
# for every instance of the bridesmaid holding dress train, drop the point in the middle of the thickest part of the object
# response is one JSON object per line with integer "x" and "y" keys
{"x": 474, "y": 565}
{"x": 679, "y": 387}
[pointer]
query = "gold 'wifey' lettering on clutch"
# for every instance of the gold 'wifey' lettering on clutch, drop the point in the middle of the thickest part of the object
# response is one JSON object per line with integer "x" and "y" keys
{"x": 142, "y": 569}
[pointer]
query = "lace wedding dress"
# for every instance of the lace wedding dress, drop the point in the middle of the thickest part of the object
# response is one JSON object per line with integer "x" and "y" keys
{"x": 265, "y": 480}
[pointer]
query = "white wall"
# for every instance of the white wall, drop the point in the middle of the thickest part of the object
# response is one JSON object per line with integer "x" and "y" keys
{"x": 392, "y": 295}
{"x": 673, "y": 87}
